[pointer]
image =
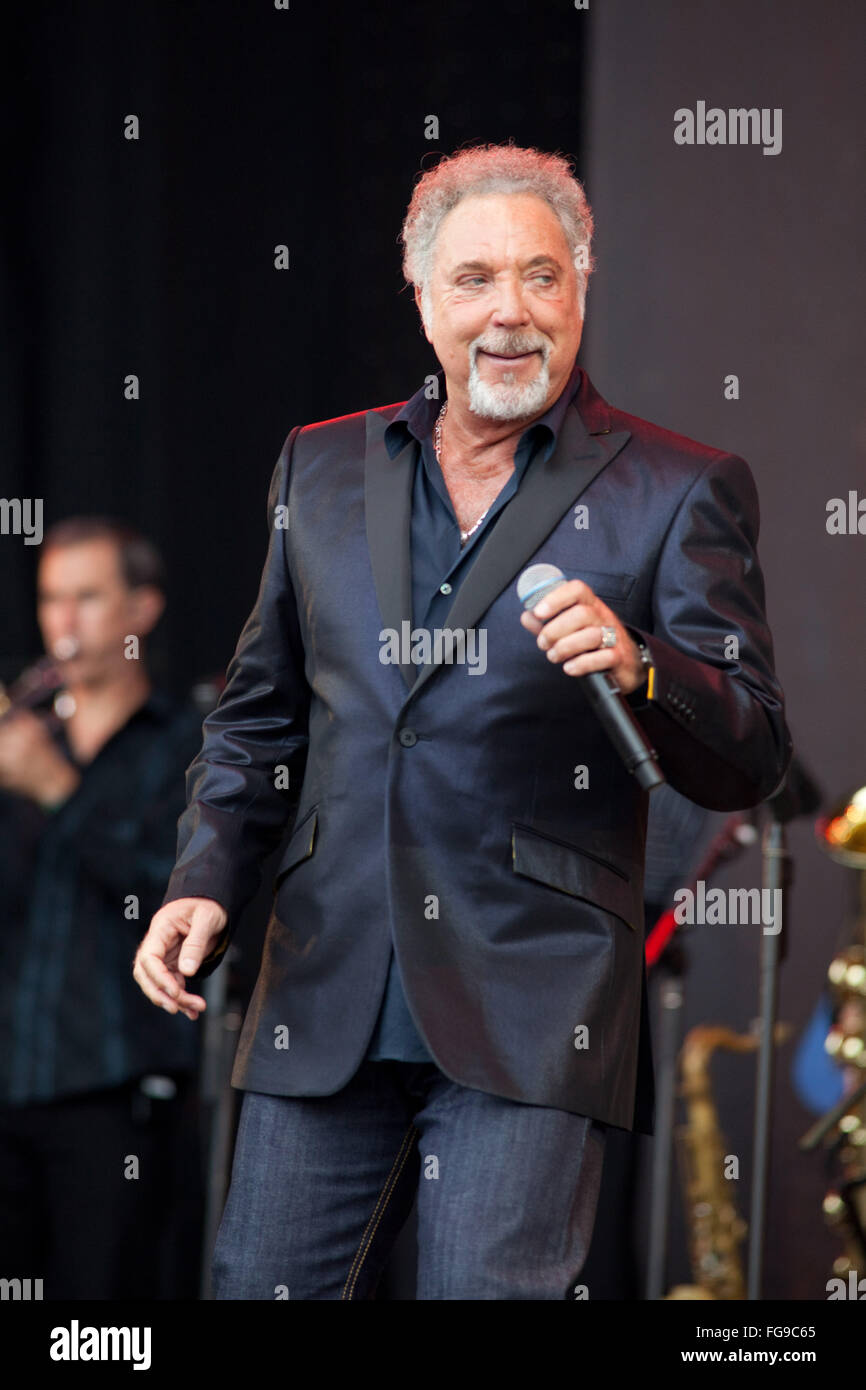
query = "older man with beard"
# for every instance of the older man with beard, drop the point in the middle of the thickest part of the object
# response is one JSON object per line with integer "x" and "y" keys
{"x": 452, "y": 997}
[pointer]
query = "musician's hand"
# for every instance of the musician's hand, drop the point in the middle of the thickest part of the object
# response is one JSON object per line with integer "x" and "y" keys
{"x": 179, "y": 937}
{"x": 31, "y": 764}
{"x": 568, "y": 628}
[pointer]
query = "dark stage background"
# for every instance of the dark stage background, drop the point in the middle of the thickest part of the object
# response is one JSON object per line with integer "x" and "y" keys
{"x": 306, "y": 127}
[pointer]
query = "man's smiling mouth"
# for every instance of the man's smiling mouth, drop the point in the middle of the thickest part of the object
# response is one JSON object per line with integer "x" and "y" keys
{"x": 508, "y": 356}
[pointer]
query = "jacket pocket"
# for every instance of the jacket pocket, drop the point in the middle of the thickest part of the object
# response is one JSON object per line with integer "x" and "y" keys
{"x": 617, "y": 586}
{"x": 300, "y": 846}
{"x": 576, "y": 872}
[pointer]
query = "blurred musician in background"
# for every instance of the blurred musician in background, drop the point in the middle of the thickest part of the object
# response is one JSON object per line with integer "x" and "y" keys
{"x": 98, "y": 1149}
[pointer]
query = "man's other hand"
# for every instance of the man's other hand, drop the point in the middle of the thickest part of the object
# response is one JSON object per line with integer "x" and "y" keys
{"x": 181, "y": 934}
{"x": 31, "y": 764}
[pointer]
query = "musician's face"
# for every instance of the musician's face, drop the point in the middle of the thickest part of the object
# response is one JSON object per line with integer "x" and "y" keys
{"x": 505, "y": 321}
{"x": 82, "y": 594}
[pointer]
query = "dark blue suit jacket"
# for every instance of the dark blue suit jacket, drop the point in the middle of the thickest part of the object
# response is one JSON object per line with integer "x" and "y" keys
{"x": 441, "y": 804}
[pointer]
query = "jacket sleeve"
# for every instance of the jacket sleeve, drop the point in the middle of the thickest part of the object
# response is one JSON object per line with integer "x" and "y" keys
{"x": 237, "y": 807}
{"x": 715, "y": 709}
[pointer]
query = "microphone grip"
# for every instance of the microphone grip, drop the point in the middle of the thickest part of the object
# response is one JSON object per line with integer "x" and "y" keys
{"x": 623, "y": 730}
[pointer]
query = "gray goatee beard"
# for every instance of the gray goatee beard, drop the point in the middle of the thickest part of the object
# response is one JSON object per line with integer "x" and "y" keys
{"x": 508, "y": 399}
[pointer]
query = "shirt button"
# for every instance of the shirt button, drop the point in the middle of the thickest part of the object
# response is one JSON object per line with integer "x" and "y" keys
{"x": 408, "y": 737}
{"x": 445, "y": 588}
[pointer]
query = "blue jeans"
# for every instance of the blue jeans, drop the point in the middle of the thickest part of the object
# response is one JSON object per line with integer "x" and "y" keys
{"x": 322, "y": 1185}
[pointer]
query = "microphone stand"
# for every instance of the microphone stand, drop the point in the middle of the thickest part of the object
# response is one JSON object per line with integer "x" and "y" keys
{"x": 798, "y": 796}
{"x": 776, "y": 876}
{"x": 672, "y": 1004}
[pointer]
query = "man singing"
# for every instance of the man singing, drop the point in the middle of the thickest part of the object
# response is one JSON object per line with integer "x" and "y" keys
{"x": 452, "y": 999}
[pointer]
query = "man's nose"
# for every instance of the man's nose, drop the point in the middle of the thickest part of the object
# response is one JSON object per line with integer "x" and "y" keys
{"x": 62, "y": 627}
{"x": 511, "y": 308}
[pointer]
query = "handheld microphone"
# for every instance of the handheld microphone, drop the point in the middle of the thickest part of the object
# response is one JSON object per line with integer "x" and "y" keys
{"x": 605, "y": 696}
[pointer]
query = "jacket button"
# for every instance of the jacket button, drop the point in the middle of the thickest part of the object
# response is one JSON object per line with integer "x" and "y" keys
{"x": 408, "y": 737}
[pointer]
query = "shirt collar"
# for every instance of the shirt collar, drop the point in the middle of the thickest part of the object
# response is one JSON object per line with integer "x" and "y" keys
{"x": 418, "y": 415}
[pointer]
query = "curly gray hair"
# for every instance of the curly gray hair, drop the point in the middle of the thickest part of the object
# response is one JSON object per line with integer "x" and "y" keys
{"x": 493, "y": 169}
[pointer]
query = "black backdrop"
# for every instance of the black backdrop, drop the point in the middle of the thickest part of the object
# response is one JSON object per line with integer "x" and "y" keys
{"x": 258, "y": 127}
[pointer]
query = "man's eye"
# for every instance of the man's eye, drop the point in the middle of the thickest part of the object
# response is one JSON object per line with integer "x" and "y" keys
{"x": 545, "y": 275}
{"x": 473, "y": 280}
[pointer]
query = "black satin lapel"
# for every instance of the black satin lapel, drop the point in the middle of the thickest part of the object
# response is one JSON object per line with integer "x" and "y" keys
{"x": 547, "y": 491}
{"x": 388, "y": 507}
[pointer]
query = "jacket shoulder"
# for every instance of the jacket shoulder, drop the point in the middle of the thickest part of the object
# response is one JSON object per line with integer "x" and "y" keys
{"x": 349, "y": 425}
{"x": 674, "y": 458}
{"x": 677, "y": 462}
{"x": 663, "y": 443}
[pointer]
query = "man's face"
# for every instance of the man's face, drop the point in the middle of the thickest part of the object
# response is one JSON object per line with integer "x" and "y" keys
{"x": 82, "y": 595}
{"x": 506, "y": 321}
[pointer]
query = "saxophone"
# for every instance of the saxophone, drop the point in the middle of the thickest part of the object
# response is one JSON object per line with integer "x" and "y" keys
{"x": 842, "y": 834}
{"x": 716, "y": 1229}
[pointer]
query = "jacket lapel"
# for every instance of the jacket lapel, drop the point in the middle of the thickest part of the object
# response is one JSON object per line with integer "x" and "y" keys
{"x": 547, "y": 491}
{"x": 388, "y": 505}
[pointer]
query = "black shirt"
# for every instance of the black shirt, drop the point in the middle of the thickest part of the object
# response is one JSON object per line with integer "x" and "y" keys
{"x": 79, "y": 888}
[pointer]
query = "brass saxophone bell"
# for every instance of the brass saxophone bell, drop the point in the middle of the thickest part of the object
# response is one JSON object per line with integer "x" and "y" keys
{"x": 842, "y": 833}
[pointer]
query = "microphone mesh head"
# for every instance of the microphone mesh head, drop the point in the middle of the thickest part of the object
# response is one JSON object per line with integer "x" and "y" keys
{"x": 537, "y": 581}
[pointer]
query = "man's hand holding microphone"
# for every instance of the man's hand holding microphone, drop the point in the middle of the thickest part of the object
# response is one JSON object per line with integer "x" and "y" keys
{"x": 575, "y": 628}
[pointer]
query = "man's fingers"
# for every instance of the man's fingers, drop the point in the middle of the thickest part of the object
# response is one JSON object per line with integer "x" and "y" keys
{"x": 151, "y": 970}
{"x": 573, "y": 619}
{"x": 604, "y": 659}
{"x": 586, "y": 639}
{"x": 563, "y": 596}
{"x": 157, "y": 982}
{"x": 198, "y": 944}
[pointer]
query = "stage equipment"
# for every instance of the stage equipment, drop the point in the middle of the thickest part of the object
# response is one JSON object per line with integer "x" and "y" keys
{"x": 842, "y": 835}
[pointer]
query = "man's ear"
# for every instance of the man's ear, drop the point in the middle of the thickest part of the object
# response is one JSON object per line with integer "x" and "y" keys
{"x": 148, "y": 604}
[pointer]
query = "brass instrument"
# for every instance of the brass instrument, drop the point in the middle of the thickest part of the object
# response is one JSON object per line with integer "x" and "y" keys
{"x": 40, "y": 682}
{"x": 716, "y": 1229}
{"x": 842, "y": 834}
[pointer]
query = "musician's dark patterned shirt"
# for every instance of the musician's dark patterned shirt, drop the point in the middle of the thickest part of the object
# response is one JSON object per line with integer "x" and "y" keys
{"x": 78, "y": 890}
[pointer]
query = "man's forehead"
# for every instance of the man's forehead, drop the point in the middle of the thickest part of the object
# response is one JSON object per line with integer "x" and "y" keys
{"x": 97, "y": 557}
{"x": 543, "y": 258}
{"x": 474, "y": 230}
